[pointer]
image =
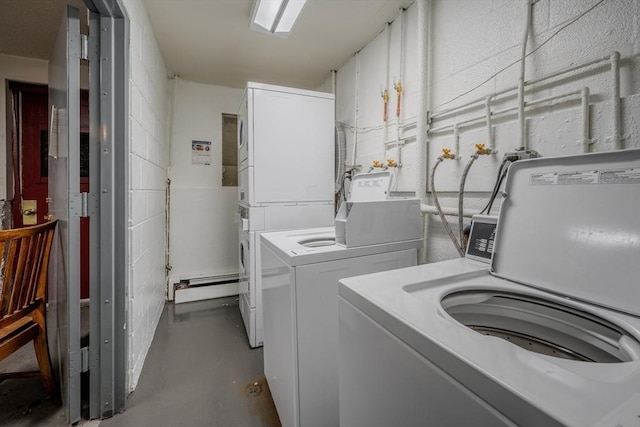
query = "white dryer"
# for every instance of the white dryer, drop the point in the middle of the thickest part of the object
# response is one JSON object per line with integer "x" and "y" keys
{"x": 285, "y": 177}
{"x": 300, "y": 273}
{"x": 549, "y": 337}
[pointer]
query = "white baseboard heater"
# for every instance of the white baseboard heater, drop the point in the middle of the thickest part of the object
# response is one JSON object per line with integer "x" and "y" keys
{"x": 202, "y": 288}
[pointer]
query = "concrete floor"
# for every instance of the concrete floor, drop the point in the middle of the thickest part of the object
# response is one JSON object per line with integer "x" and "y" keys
{"x": 200, "y": 371}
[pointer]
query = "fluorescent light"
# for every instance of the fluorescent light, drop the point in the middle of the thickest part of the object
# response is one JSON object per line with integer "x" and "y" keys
{"x": 289, "y": 15}
{"x": 266, "y": 13}
{"x": 275, "y": 16}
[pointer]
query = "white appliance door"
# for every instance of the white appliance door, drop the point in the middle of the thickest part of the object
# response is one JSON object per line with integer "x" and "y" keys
{"x": 293, "y": 147}
{"x": 244, "y": 254}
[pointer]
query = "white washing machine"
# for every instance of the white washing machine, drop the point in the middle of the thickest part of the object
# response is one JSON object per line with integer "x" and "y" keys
{"x": 300, "y": 273}
{"x": 549, "y": 337}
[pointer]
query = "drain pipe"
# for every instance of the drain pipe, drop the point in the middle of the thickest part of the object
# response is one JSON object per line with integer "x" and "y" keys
{"x": 422, "y": 125}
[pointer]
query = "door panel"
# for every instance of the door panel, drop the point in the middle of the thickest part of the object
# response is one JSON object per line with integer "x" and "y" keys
{"x": 31, "y": 188}
{"x": 64, "y": 187}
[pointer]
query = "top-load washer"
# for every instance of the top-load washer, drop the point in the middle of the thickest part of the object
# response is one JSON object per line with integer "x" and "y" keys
{"x": 550, "y": 336}
{"x": 300, "y": 273}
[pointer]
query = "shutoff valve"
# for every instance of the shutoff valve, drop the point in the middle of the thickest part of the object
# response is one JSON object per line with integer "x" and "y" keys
{"x": 392, "y": 163}
{"x": 447, "y": 154}
{"x": 481, "y": 150}
{"x": 377, "y": 164}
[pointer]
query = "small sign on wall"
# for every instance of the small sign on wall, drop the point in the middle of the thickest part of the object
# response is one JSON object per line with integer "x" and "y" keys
{"x": 201, "y": 152}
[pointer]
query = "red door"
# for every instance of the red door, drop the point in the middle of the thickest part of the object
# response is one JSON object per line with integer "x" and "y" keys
{"x": 31, "y": 165}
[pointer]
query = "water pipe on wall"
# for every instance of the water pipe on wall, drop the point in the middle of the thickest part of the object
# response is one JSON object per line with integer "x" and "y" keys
{"x": 521, "y": 116}
{"x": 422, "y": 125}
{"x": 552, "y": 100}
{"x": 385, "y": 91}
{"x": 613, "y": 59}
{"x": 490, "y": 139}
{"x": 586, "y": 139}
{"x": 615, "y": 99}
{"x": 355, "y": 114}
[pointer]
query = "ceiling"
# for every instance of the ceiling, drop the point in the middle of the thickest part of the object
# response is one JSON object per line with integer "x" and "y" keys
{"x": 209, "y": 41}
{"x": 29, "y": 27}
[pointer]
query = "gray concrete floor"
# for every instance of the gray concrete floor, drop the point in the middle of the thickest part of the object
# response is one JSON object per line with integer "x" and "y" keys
{"x": 200, "y": 371}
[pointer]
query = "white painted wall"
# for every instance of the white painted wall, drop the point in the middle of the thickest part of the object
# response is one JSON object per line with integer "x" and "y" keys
{"x": 149, "y": 153}
{"x": 471, "y": 41}
{"x": 203, "y": 235}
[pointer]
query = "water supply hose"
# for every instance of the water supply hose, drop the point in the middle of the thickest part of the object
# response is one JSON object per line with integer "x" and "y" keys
{"x": 463, "y": 180}
{"x": 445, "y": 223}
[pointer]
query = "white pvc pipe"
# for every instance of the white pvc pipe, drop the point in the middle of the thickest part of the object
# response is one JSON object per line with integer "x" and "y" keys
{"x": 456, "y": 141}
{"x": 615, "y": 99}
{"x": 423, "y": 108}
{"x": 432, "y": 210}
{"x": 386, "y": 88}
{"x": 483, "y": 117}
{"x": 490, "y": 140}
{"x": 422, "y": 126}
{"x": 479, "y": 101}
{"x": 334, "y": 81}
{"x": 355, "y": 117}
{"x": 403, "y": 13}
{"x": 425, "y": 235}
{"x": 586, "y": 140}
{"x": 521, "y": 116}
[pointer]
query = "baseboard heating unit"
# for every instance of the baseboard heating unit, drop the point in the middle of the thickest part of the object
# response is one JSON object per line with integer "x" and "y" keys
{"x": 202, "y": 288}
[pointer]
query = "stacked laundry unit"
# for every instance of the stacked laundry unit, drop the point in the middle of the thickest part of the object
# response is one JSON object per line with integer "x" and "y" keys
{"x": 285, "y": 177}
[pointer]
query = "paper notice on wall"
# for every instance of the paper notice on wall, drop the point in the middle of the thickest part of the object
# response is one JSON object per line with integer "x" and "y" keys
{"x": 201, "y": 152}
{"x": 54, "y": 132}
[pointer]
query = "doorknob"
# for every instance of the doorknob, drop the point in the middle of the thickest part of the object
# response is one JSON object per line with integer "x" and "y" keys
{"x": 29, "y": 211}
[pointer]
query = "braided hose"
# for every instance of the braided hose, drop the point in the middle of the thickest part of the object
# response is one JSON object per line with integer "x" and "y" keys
{"x": 447, "y": 227}
{"x": 461, "y": 196}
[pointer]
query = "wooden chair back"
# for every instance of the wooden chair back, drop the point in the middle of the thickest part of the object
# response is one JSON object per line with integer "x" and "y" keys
{"x": 24, "y": 260}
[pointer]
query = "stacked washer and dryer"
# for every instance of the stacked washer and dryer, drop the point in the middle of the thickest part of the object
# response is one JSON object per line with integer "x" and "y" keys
{"x": 285, "y": 177}
{"x": 549, "y": 336}
{"x": 300, "y": 273}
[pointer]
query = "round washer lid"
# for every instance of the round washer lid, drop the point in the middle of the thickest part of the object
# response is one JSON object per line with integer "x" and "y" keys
{"x": 571, "y": 225}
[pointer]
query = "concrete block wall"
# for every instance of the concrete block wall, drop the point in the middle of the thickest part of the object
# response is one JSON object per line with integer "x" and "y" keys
{"x": 470, "y": 42}
{"x": 149, "y": 153}
{"x": 204, "y": 237}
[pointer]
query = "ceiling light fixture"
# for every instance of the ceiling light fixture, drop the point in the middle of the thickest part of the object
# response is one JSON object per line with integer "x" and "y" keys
{"x": 275, "y": 16}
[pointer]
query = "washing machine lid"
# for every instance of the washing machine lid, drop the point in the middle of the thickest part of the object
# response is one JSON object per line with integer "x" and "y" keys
{"x": 571, "y": 225}
{"x": 370, "y": 186}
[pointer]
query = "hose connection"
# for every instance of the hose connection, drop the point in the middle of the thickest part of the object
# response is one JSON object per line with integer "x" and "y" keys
{"x": 481, "y": 150}
{"x": 447, "y": 154}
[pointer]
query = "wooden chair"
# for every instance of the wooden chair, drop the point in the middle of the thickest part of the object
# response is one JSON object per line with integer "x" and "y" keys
{"x": 23, "y": 290}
